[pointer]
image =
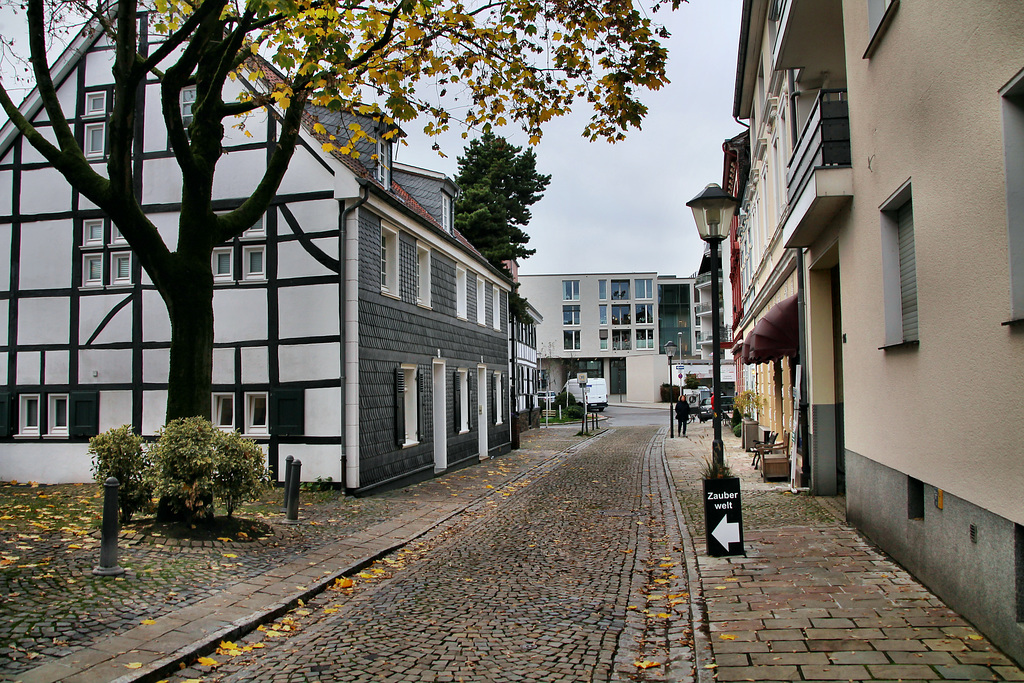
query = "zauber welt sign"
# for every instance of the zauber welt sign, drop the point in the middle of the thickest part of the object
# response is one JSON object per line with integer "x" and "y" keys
{"x": 723, "y": 518}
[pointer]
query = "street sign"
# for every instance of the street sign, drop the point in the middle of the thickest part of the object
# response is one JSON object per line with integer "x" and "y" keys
{"x": 581, "y": 378}
{"x": 723, "y": 517}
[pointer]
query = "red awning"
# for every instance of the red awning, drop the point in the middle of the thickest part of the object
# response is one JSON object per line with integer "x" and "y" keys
{"x": 775, "y": 336}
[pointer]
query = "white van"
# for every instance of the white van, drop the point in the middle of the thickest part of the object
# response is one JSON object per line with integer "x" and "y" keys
{"x": 597, "y": 392}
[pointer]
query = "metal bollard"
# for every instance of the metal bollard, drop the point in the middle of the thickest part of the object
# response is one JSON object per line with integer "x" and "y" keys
{"x": 293, "y": 496}
{"x": 287, "y": 481}
{"x": 111, "y": 526}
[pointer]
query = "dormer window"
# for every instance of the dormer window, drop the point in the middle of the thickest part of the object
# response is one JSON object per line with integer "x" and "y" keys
{"x": 383, "y": 154}
{"x": 447, "y": 213}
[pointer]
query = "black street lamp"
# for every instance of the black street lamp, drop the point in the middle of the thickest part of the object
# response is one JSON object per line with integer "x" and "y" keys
{"x": 670, "y": 351}
{"x": 713, "y": 210}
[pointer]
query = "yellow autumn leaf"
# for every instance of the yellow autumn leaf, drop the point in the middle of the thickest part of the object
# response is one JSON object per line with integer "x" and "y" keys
{"x": 344, "y": 582}
{"x": 228, "y": 645}
{"x": 646, "y": 664}
{"x": 667, "y": 564}
{"x": 133, "y": 665}
{"x": 975, "y": 636}
{"x": 225, "y": 539}
{"x": 330, "y": 610}
{"x": 727, "y": 636}
{"x": 148, "y": 622}
{"x": 207, "y": 661}
{"x": 662, "y": 615}
{"x": 230, "y": 555}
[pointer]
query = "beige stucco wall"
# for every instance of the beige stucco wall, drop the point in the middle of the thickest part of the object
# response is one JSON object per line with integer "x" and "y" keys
{"x": 926, "y": 108}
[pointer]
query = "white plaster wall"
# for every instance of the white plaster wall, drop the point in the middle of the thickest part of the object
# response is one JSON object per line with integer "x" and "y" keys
{"x": 111, "y": 366}
{"x": 255, "y": 365}
{"x": 239, "y": 314}
{"x": 304, "y": 172}
{"x": 57, "y": 367}
{"x": 161, "y": 181}
{"x": 294, "y": 261}
{"x": 98, "y": 67}
{"x": 115, "y": 409}
{"x": 4, "y": 329}
{"x": 310, "y": 311}
{"x": 156, "y": 326}
{"x": 44, "y": 190}
{"x": 29, "y": 154}
{"x": 66, "y": 463}
{"x": 46, "y": 255}
{"x": 317, "y": 461}
{"x": 223, "y": 366}
{"x": 937, "y": 122}
{"x": 305, "y": 362}
{"x": 156, "y": 365}
{"x": 239, "y": 173}
{"x": 323, "y": 411}
{"x": 3, "y": 368}
{"x": 154, "y": 410}
{"x": 155, "y": 133}
{"x": 44, "y": 320}
{"x": 7, "y": 183}
{"x": 92, "y": 311}
{"x": 28, "y": 367}
{"x": 316, "y": 216}
{"x": 644, "y": 377}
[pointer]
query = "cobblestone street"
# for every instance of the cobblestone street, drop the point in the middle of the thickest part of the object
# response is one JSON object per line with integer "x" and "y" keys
{"x": 565, "y": 578}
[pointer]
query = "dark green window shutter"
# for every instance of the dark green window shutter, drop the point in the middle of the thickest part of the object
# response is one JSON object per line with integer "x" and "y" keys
{"x": 456, "y": 402}
{"x": 287, "y": 412}
{"x": 399, "y": 407}
{"x": 85, "y": 413}
{"x": 5, "y": 414}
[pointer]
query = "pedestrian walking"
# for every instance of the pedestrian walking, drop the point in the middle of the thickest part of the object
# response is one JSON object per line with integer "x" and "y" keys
{"x": 682, "y": 414}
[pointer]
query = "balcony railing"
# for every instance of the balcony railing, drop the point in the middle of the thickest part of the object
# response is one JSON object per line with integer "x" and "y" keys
{"x": 824, "y": 141}
{"x": 702, "y": 279}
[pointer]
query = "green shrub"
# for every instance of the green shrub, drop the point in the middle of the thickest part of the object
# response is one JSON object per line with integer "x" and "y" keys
{"x": 183, "y": 465}
{"x": 118, "y": 453}
{"x": 563, "y": 400}
{"x": 240, "y": 470}
{"x": 737, "y": 428}
{"x": 737, "y": 418}
{"x": 574, "y": 412}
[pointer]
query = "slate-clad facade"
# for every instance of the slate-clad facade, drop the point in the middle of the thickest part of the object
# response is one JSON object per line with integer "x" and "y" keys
{"x": 317, "y": 354}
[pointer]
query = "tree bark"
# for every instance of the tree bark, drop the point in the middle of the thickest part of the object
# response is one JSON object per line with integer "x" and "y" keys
{"x": 189, "y": 302}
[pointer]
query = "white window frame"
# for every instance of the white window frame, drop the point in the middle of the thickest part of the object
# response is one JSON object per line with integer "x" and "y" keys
{"x": 423, "y": 276}
{"x": 481, "y": 301}
{"x": 496, "y": 307}
{"x": 186, "y": 100}
{"x": 87, "y": 227}
{"x": 499, "y": 401}
{"x": 87, "y": 279}
{"x": 53, "y": 426}
{"x": 219, "y": 400}
{"x": 648, "y": 288}
{"x": 461, "y": 295}
{"x": 409, "y": 396}
{"x": 574, "y": 336}
{"x": 383, "y": 170}
{"x": 95, "y": 96}
{"x": 258, "y": 229}
{"x": 116, "y": 237}
{"x": 574, "y": 315}
{"x": 1013, "y": 146}
{"x": 648, "y": 342}
{"x": 463, "y": 400}
{"x": 248, "y": 272}
{"x": 25, "y": 428}
{"x": 115, "y": 277}
{"x": 602, "y": 290}
{"x": 447, "y": 213}
{"x": 215, "y": 264}
{"x": 252, "y": 426}
{"x": 90, "y": 151}
{"x": 570, "y": 290}
{"x": 389, "y": 261}
{"x": 898, "y": 328}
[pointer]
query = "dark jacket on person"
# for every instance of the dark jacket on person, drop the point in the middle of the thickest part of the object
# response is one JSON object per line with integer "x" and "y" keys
{"x": 682, "y": 410}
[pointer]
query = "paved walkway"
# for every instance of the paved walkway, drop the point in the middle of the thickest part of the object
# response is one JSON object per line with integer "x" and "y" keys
{"x": 813, "y": 600}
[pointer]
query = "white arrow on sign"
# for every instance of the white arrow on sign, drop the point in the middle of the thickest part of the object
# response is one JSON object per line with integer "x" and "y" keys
{"x": 727, "y": 532}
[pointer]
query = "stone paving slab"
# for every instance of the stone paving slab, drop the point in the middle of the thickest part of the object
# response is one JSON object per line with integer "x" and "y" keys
{"x": 812, "y": 599}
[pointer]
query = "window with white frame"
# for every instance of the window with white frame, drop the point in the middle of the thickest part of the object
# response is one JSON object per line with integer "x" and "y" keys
{"x": 423, "y": 276}
{"x": 121, "y": 268}
{"x": 383, "y": 159}
{"x": 256, "y": 413}
{"x": 496, "y": 307}
{"x": 571, "y": 314}
{"x": 571, "y": 340}
{"x": 645, "y": 289}
{"x": 602, "y": 314}
{"x": 188, "y": 100}
{"x": 224, "y": 412}
{"x": 1013, "y": 147}
{"x": 461, "y": 283}
{"x": 899, "y": 268}
{"x": 92, "y": 270}
{"x": 252, "y": 258}
{"x": 644, "y": 314}
{"x": 499, "y": 404}
{"x": 621, "y": 340}
{"x": 95, "y": 104}
{"x": 645, "y": 339}
{"x": 409, "y": 398}
{"x": 447, "y": 213}
{"x": 223, "y": 265}
{"x": 57, "y": 415}
{"x": 570, "y": 290}
{"x": 95, "y": 140}
{"x": 481, "y": 301}
{"x": 28, "y": 415}
{"x": 92, "y": 232}
{"x": 463, "y": 400}
{"x": 603, "y": 334}
{"x": 602, "y": 290}
{"x": 620, "y": 289}
{"x": 258, "y": 229}
{"x": 116, "y": 237}
{"x": 389, "y": 261}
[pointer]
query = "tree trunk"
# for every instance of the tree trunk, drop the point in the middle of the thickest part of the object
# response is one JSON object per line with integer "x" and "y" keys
{"x": 189, "y": 302}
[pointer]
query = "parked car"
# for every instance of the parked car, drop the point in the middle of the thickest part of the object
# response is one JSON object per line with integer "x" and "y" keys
{"x": 545, "y": 399}
{"x": 704, "y": 412}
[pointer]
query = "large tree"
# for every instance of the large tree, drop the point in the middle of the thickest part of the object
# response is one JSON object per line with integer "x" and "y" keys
{"x": 499, "y": 184}
{"x": 503, "y": 62}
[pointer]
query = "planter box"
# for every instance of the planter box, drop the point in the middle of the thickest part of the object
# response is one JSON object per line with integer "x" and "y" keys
{"x": 751, "y": 433}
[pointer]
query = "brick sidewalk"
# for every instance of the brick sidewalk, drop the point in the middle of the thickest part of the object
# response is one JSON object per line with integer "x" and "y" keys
{"x": 814, "y": 600}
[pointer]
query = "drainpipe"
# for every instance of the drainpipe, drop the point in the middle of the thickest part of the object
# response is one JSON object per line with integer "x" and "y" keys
{"x": 349, "y": 343}
{"x": 804, "y": 416}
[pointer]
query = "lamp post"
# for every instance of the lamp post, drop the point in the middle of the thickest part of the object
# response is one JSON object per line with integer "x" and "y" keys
{"x": 713, "y": 210}
{"x": 670, "y": 351}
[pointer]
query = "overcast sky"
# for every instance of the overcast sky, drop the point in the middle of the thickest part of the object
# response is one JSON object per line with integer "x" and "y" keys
{"x": 622, "y": 207}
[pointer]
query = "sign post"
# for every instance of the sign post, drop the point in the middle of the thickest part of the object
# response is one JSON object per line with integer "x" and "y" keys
{"x": 723, "y": 517}
{"x": 581, "y": 379}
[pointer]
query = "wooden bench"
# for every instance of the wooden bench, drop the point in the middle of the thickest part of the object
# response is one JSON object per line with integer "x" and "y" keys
{"x": 775, "y": 460}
